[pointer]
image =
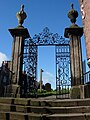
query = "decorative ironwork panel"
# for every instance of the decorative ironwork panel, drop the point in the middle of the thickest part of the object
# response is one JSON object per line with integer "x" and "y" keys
{"x": 48, "y": 38}
{"x": 63, "y": 81}
{"x": 30, "y": 64}
{"x": 62, "y": 59}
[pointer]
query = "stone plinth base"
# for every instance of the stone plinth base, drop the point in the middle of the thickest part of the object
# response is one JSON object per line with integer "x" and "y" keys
{"x": 12, "y": 91}
{"x": 80, "y": 92}
{"x": 77, "y": 92}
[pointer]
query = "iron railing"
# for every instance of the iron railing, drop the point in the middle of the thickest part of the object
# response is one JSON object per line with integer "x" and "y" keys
{"x": 86, "y": 77}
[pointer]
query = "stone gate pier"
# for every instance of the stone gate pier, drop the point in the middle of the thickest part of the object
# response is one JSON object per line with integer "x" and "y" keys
{"x": 74, "y": 33}
{"x": 19, "y": 34}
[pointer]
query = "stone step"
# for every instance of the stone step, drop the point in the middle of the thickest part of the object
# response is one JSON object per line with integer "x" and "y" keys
{"x": 33, "y": 116}
{"x": 44, "y": 109}
{"x": 16, "y": 101}
{"x": 60, "y": 103}
{"x": 43, "y": 102}
{"x": 80, "y": 116}
{"x": 14, "y": 108}
{"x": 19, "y": 116}
{"x": 58, "y": 110}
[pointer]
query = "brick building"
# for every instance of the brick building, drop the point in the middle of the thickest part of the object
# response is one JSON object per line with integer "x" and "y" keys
{"x": 85, "y": 11}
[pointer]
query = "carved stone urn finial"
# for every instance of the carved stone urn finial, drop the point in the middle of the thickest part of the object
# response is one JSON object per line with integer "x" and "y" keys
{"x": 73, "y": 14}
{"x": 21, "y": 16}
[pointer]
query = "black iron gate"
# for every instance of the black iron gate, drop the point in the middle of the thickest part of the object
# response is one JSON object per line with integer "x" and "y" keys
{"x": 29, "y": 67}
{"x": 46, "y": 38}
{"x": 63, "y": 79}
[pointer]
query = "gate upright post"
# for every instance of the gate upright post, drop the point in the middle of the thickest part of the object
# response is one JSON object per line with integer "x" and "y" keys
{"x": 19, "y": 35}
{"x": 74, "y": 33}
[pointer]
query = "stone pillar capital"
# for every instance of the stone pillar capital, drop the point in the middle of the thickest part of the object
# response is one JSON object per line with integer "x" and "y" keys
{"x": 73, "y": 31}
{"x": 20, "y": 31}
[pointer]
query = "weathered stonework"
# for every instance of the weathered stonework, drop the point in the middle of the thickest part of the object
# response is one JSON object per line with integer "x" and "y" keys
{"x": 74, "y": 33}
{"x": 75, "y": 54}
{"x": 19, "y": 35}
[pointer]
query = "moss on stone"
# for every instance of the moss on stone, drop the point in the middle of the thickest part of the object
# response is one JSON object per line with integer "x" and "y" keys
{"x": 74, "y": 26}
{"x": 75, "y": 93}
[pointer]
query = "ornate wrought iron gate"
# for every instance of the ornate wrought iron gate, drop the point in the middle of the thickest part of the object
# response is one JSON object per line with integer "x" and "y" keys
{"x": 46, "y": 38}
{"x": 63, "y": 81}
{"x": 30, "y": 66}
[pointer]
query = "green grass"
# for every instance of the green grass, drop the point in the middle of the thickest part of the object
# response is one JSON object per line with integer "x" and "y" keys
{"x": 44, "y": 93}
